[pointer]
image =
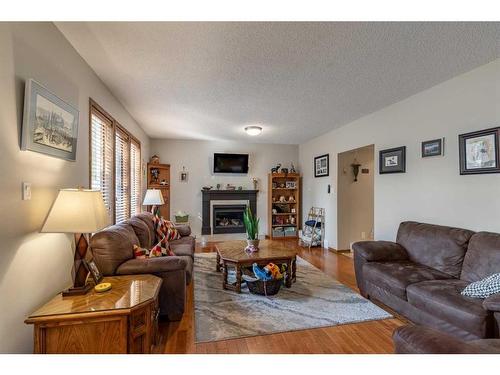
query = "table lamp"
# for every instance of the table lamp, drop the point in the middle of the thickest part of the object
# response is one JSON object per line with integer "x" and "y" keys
{"x": 80, "y": 212}
{"x": 153, "y": 198}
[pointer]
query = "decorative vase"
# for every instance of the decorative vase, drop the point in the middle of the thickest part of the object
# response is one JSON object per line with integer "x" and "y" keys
{"x": 254, "y": 243}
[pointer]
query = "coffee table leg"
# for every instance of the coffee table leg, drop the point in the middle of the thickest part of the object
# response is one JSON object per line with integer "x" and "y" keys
{"x": 294, "y": 269}
{"x": 217, "y": 264}
{"x": 238, "y": 278}
{"x": 288, "y": 283}
{"x": 224, "y": 276}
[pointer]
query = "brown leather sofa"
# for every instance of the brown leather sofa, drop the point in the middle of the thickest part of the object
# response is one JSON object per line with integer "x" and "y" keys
{"x": 113, "y": 247}
{"x": 422, "y": 274}
{"x": 423, "y": 340}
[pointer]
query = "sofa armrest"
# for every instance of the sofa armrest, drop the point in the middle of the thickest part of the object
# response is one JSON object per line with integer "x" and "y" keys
{"x": 492, "y": 303}
{"x": 184, "y": 230}
{"x": 422, "y": 340}
{"x": 152, "y": 265}
{"x": 373, "y": 251}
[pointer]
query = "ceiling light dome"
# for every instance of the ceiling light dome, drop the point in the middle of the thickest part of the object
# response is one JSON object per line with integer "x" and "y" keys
{"x": 253, "y": 130}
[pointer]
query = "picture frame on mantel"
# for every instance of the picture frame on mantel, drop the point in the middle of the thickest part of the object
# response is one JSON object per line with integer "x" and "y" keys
{"x": 392, "y": 160}
{"x": 479, "y": 151}
{"x": 322, "y": 165}
{"x": 50, "y": 125}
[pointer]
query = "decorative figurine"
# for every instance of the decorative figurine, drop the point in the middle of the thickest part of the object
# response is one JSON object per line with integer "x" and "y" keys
{"x": 276, "y": 169}
{"x": 218, "y": 186}
{"x": 284, "y": 170}
{"x": 292, "y": 168}
{"x": 155, "y": 159}
{"x": 155, "y": 174}
{"x": 255, "y": 182}
{"x": 282, "y": 199}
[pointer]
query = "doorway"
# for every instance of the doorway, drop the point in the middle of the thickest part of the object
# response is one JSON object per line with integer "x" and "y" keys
{"x": 355, "y": 198}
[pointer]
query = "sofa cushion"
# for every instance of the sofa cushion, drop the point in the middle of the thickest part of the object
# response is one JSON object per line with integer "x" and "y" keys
{"x": 189, "y": 267}
{"x": 184, "y": 230}
{"x": 442, "y": 299}
{"x": 439, "y": 247}
{"x": 147, "y": 217}
{"x": 394, "y": 277}
{"x": 482, "y": 258}
{"x": 113, "y": 246}
{"x": 141, "y": 230}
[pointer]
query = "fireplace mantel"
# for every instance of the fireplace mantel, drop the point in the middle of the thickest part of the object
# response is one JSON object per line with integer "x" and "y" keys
{"x": 209, "y": 195}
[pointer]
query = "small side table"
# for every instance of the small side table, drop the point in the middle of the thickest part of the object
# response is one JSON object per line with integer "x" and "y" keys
{"x": 121, "y": 320}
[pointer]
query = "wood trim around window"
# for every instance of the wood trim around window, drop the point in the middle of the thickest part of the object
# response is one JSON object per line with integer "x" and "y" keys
{"x": 94, "y": 106}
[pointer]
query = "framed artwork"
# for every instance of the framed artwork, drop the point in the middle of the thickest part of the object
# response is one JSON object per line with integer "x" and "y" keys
{"x": 322, "y": 165}
{"x": 479, "y": 151}
{"x": 94, "y": 271}
{"x": 50, "y": 125}
{"x": 392, "y": 160}
{"x": 434, "y": 147}
{"x": 184, "y": 176}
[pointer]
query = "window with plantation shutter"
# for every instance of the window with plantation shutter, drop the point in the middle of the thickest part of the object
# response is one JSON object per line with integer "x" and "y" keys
{"x": 101, "y": 157}
{"x": 122, "y": 175}
{"x": 135, "y": 177}
{"x": 115, "y": 165}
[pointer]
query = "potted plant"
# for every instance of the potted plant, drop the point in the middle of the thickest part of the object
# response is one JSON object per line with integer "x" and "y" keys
{"x": 252, "y": 227}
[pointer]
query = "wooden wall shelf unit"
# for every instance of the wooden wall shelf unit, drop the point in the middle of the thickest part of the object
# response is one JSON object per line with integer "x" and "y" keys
{"x": 285, "y": 222}
{"x": 121, "y": 320}
{"x": 160, "y": 180}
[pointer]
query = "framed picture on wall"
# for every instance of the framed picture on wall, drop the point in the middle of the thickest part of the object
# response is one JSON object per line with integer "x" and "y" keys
{"x": 479, "y": 151}
{"x": 50, "y": 125}
{"x": 434, "y": 147}
{"x": 392, "y": 160}
{"x": 322, "y": 165}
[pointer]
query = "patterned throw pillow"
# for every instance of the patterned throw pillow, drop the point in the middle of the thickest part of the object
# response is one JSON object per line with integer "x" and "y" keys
{"x": 483, "y": 288}
{"x": 165, "y": 229}
{"x": 140, "y": 252}
{"x": 161, "y": 249}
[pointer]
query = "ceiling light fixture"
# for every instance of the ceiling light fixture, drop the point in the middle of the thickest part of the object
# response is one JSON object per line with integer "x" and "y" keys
{"x": 253, "y": 130}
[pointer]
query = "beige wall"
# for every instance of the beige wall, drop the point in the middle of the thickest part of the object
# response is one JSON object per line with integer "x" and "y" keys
{"x": 355, "y": 199}
{"x": 197, "y": 157}
{"x": 34, "y": 267}
{"x": 431, "y": 190}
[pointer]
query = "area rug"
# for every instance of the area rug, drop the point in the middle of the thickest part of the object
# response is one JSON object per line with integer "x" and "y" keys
{"x": 314, "y": 300}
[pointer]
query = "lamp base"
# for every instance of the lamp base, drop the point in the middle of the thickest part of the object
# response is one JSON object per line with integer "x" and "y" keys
{"x": 77, "y": 291}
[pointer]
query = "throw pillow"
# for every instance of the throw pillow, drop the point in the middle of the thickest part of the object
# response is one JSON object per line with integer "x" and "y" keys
{"x": 165, "y": 229}
{"x": 162, "y": 248}
{"x": 140, "y": 252}
{"x": 483, "y": 288}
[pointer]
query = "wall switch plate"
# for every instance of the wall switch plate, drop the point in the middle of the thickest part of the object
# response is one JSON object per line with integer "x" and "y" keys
{"x": 363, "y": 235}
{"x": 26, "y": 191}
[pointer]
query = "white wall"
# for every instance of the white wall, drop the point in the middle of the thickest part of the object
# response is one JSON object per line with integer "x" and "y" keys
{"x": 197, "y": 157}
{"x": 431, "y": 190}
{"x": 34, "y": 267}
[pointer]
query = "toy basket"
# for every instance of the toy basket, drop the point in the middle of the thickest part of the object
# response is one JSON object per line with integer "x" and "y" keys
{"x": 264, "y": 288}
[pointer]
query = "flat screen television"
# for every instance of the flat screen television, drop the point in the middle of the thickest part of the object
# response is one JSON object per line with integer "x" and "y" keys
{"x": 230, "y": 163}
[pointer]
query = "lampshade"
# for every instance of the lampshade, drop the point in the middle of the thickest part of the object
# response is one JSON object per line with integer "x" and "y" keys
{"x": 77, "y": 211}
{"x": 153, "y": 197}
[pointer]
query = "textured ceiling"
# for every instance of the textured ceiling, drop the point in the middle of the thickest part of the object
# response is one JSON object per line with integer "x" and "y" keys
{"x": 299, "y": 80}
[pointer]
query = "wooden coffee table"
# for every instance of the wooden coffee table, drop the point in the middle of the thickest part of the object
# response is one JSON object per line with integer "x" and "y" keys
{"x": 233, "y": 254}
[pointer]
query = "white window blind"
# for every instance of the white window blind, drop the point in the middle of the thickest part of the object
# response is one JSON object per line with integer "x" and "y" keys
{"x": 135, "y": 177}
{"x": 101, "y": 158}
{"x": 122, "y": 176}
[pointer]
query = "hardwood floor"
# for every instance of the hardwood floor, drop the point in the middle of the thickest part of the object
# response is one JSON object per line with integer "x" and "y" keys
{"x": 367, "y": 337}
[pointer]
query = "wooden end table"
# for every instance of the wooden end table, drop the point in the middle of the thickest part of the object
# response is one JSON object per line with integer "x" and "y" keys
{"x": 121, "y": 320}
{"x": 233, "y": 254}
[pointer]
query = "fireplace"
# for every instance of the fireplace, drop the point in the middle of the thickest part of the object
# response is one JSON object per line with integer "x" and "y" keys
{"x": 230, "y": 205}
{"x": 228, "y": 218}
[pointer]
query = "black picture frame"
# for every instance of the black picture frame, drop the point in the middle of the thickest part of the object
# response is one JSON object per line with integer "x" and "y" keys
{"x": 434, "y": 147}
{"x": 486, "y": 145}
{"x": 397, "y": 155}
{"x": 93, "y": 270}
{"x": 321, "y": 170}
